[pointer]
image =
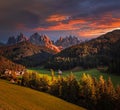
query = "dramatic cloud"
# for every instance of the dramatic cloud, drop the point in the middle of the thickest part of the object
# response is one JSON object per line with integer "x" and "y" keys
{"x": 84, "y": 18}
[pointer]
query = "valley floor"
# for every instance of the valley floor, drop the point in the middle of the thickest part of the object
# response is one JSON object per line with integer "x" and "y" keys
{"x": 78, "y": 73}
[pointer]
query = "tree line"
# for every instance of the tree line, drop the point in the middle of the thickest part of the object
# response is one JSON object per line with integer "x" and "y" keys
{"x": 89, "y": 92}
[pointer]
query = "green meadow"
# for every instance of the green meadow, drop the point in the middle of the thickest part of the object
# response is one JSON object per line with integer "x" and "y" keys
{"x": 93, "y": 72}
{"x": 14, "y": 97}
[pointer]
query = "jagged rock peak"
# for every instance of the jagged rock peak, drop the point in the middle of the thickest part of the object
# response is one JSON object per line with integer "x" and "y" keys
{"x": 21, "y": 38}
{"x": 67, "y": 41}
{"x": 11, "y": 40}
{"x": 40, "y": 39}
{"x": 18, "y": 39}
{"x": 61, "y": 38}
{"x": 43, "y": 40}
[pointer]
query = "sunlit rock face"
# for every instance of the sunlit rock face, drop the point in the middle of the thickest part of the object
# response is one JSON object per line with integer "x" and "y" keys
{"x": 21, "y": 38}
{"x": 43, "y": 40}
{"x": 40, "y": 39}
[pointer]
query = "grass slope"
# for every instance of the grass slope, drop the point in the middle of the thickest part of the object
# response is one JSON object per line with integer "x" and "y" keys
{"x": 13, "y": 97}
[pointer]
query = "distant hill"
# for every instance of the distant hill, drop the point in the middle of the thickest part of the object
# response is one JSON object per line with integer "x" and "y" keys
{"x": 67, "y": 41}
{"x": 93, "y": 53}
{"x": 15, "y": 97}
{"x": 7, "y": 64}
{"x": 26, "y": 53}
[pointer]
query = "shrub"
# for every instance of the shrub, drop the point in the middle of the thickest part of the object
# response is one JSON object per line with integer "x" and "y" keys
{"x": 33, "y": 80}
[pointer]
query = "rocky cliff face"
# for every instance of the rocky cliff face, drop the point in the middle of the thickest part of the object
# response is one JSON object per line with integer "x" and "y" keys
{"x": 21, "y": 38}
{"x": 67, "y": 41}
{"x": 13, "y": 40}
{"x": 43, "y": 40}
{"x": 40, "y": 39}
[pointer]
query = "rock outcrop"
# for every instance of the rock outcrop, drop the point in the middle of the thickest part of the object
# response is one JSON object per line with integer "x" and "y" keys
{"x": 67, "y": 41}
{"x": 43, "y": 40}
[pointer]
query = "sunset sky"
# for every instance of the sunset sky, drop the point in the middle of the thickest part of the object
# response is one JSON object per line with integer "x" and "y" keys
{"x": 82, "y": 18}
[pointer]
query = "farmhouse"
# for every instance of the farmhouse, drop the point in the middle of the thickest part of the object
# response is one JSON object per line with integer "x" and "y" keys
{"x": 12, "y": 72}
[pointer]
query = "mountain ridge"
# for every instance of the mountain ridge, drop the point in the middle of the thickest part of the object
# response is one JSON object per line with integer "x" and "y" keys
{"x": 13, "y": 40}
{"x": 67, "y": 41}
{"x": 44, "y": 40}
{"x": 25, "y": 52}
{"x": 90, "y": 54}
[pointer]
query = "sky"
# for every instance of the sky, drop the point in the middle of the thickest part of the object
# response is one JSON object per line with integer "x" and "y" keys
{"x": 82, "y": 18}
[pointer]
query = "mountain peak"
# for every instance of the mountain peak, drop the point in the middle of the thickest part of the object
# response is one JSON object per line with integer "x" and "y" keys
{"x": 43, "y": 40}
{"x": 36, "y": 33}
{"x": 61, "y": 38}
{"x": 40, "y": 39}
{"x": 21, "y": 38}
{"x": 13, "y": 40}
{"x": 67, "y": 41}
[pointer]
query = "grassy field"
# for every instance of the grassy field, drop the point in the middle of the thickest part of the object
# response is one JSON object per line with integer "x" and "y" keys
{"x": 40, "y": 70}
{"x": 93, "y": 72}
{"x": 14, "y": 97}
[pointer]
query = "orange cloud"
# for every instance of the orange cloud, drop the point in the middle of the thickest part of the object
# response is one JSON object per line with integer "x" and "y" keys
{"x": 77, "y": 21}
{"x": 89, "y": 27}
{"x": 91, "y": 33}
{"x": 57, "y": 27}
{"x": 95, "y": 29}
{"x": 56, "y": 18}
{"x": 63, "y": 26}
{"x": 20, "y": 26}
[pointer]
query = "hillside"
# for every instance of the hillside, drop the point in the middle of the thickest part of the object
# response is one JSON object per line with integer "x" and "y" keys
{"x": 94, "y": 46}
{"x": 90, "y": 54}
{"x": 7, "y": 64}
{"x": 26, "y": 53}
{"x": 20, "y": 98}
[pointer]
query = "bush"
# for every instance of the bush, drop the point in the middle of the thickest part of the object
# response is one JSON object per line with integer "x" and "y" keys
{"x": 33, "y": 80}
